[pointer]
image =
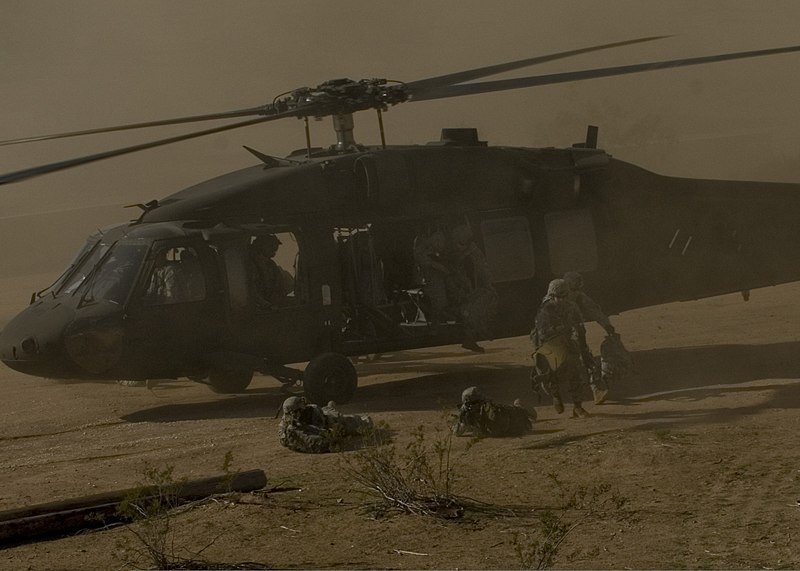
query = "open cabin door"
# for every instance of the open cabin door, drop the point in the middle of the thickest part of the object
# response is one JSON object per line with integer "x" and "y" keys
{"x": 279, "y": 293}
{"x": 175, "y": 313}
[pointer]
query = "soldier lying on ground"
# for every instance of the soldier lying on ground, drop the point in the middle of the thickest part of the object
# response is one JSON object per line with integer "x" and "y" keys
{"x": 309, "y": 428}
{"x": 482, "y": 417}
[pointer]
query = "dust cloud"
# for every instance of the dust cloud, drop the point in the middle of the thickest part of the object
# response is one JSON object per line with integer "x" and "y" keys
{"x": 90, "y": 63}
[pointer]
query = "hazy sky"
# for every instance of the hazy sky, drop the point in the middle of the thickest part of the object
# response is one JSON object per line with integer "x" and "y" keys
{"x": 84, "y": 63}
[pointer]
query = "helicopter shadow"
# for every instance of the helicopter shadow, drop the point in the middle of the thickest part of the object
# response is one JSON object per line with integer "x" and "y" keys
{"x": 695, "y": 373}
{"x": 783, "y": 396}
{"x": 399, "y": 363}
{"x": 441, "y": 388}
{"x": 253, "y": 404}
{"x": 674, "y": 374}
{"x": 440, "y": 391}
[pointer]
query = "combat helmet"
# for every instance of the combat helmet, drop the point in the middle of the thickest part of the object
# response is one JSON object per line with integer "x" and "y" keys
{"x": 461, "y": 236}
{"x": 471, "y": 394}
{"x": 267, "y": 242}
{"x": 558, "y": 288}
{"x": 574, "y": 281}
{"x": 293, "y": 404}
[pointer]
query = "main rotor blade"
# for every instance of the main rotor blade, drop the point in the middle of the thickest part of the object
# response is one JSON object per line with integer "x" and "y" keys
{"x": 422, "y": 85}
{"x": 415, "y": 87}
{"x": 176, "y": 121}
{"x": 533, "y": 81}
{"x": 25, "y": 174}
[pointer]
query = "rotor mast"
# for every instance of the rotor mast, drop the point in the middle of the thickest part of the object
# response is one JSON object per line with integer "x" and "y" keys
{"x": 341, "y": 98}
{"x": 343, "y": 124}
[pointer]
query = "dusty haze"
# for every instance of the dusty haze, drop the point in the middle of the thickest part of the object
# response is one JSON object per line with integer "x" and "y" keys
{"x": 701, "y": 439}
{"x": 83, "y": 64}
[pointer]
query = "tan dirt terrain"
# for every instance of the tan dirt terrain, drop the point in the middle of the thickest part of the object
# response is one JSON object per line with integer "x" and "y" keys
{"x": 701, "y": 440}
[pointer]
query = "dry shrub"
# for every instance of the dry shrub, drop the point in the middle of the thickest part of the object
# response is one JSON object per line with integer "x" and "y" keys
{"x": 419, "y": 480}
{"x": 577, "y": 506}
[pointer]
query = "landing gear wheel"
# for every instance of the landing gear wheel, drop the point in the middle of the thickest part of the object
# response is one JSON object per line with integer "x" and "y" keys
{"x": 228, "y": 381}
{"x": 330, "y": 377}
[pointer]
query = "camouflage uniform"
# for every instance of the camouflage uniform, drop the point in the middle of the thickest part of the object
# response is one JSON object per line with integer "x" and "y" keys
{"x": 476, "y": 297}
{"x": 311, "y": 429}
{"x": 614, "y": 359}
{"x": 429, "y": 257}
{"x": 482, "y": 417}
{"x": 589, "y": 311}
{"x": 555, "y": 328}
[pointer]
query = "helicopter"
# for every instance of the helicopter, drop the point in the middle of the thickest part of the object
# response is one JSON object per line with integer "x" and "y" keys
{"x": 332, "y": 253}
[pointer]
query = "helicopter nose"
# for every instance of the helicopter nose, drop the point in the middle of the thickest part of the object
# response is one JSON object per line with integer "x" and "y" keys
{"x": 31, "y": 342}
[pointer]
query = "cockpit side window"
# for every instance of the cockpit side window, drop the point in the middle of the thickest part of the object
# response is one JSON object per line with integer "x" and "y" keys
{"x": 114, "y": 278}
{"x": 177, "y": 277}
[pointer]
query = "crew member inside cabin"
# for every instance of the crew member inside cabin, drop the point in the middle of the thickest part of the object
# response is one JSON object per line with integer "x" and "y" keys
{"x": 268, "y": 285}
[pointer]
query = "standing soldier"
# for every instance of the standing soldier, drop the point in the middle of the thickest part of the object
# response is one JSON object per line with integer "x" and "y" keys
{"x": 429, "y": 255}
{"x": 470, "y": 288}
{"x": 557, "y": 358}
{"x": 589, "y": 311}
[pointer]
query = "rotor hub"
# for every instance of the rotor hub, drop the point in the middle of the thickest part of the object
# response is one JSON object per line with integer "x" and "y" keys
{"x": 342, "y": 97}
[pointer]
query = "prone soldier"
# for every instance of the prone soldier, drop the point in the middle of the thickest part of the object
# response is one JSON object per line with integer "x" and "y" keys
{"x": 483, "y": 417}
{"x": 309, "y": 428}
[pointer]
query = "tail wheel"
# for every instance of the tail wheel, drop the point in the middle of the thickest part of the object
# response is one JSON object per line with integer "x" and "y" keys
{"x": 330, "y": 377}
{"x": 228, "y": 381}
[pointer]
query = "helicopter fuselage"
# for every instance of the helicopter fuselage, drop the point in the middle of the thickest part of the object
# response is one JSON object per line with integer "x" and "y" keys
{"x": 172, "y": 294}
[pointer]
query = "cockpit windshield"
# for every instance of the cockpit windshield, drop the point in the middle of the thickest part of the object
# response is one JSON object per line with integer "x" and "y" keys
{"x": 79, "y": 269}
{"x": 115, "y": 277}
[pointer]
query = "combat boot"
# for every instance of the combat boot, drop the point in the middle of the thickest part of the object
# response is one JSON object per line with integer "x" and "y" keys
{"x": 557, "y": 403}
{"x": 472, "y": 346}
{"x": 579, "y": 412}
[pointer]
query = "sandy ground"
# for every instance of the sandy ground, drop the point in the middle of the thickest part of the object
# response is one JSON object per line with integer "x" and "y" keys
{"x": 701, "y": 440}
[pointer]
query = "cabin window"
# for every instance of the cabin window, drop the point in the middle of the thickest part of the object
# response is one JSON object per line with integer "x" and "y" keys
{"x": 273, "y": 261}
{"x": 236, "y": 268}
{"x": 177, "y": 277}
{"x": 508, "y": 248}
{"x": 572, "y": 241}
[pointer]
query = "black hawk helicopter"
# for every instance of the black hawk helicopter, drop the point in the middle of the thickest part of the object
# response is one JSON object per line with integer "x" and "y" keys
{"x": 353, "y": 250}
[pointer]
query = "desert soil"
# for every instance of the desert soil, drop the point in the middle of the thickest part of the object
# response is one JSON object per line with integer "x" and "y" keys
{"x": 701, "y": 440}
